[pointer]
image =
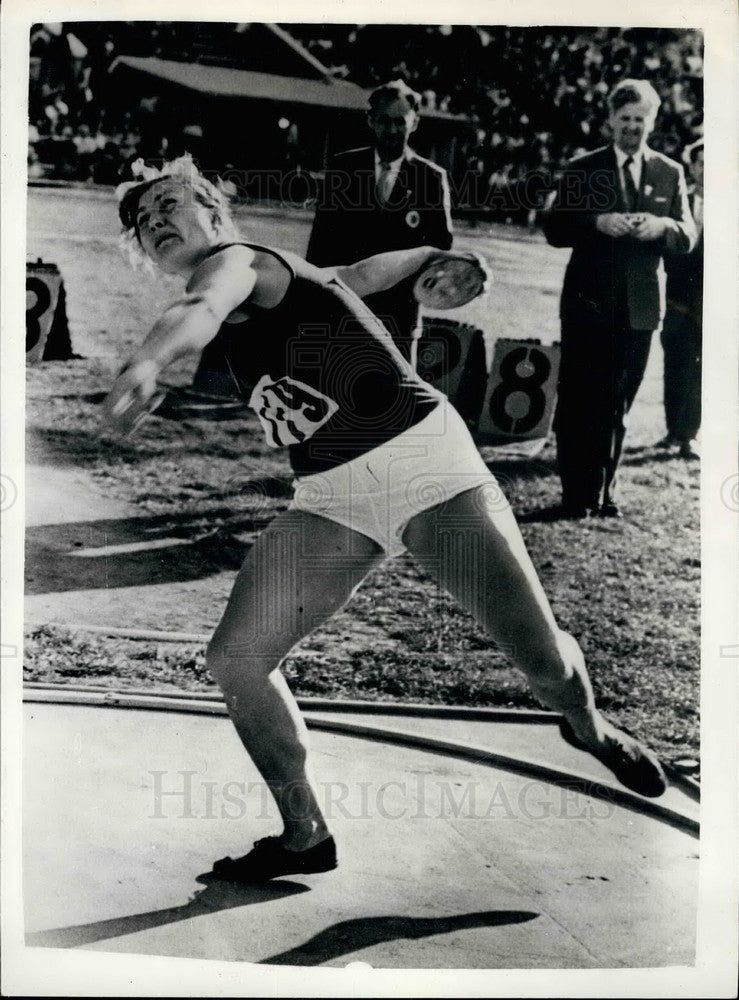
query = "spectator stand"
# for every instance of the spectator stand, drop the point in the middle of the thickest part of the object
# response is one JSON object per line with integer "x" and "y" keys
{"x": 530, "y": 98}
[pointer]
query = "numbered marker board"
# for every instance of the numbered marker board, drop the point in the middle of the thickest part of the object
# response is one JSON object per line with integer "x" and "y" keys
{"x": 442, "y": 352}
{"x": 451, "y": 356}
{"x": 43, "y": 283}
{"x": 521, "y": 392}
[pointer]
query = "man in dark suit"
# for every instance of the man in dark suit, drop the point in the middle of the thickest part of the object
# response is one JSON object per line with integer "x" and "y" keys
{"x": 682, "y": 329}
{"x": 620, "y": 208}
{"x": 384, "y": 197}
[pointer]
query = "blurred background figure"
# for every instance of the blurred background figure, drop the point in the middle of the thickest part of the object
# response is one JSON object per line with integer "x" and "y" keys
{"x": 384, "y": 197}
{"x": 87, "y": 150}
{"x": 683, "y": 326}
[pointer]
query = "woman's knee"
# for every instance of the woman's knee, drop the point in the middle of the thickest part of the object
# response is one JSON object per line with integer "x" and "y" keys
{"x": 233, "y": 659}
{"x": 569, "y": 649}
{"x": 217, "y": 660}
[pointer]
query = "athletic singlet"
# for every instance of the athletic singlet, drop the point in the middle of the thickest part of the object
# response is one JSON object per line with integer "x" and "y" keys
{"x": 321, "y": 371}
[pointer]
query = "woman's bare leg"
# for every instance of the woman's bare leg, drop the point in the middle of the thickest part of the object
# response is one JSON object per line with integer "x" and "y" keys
{"x": 473, "y": 547}
{"x": 479, "y": 556}
{"x": 301, "y": 569}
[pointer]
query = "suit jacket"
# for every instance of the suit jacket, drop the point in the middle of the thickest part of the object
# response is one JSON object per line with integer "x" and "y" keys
{"x": 610, "y": 278}
{"x": 685, "y": 276}
{"x": 350, "y": 224}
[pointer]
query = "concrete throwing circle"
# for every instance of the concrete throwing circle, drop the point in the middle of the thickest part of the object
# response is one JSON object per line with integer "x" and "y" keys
{"x": 443, "y": 863}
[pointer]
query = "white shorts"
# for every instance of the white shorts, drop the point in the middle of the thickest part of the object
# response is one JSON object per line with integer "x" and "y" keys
{"x": 379, "y": 492}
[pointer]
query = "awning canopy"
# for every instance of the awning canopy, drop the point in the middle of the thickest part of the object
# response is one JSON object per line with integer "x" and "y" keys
{"x": 224, "y": 81}
{"x": 227, "y": 82}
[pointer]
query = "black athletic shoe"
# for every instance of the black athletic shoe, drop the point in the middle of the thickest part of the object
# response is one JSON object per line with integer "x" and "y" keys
{"x": 634, "y": 765}
{"x": 269, "y": 859}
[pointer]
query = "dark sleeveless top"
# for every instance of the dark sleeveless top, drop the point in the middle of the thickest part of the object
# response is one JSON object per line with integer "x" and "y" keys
{"x": 321, "y": 371}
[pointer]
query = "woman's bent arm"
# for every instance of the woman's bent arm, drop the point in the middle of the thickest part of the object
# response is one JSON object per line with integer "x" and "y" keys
{"x": 376, "y": 274}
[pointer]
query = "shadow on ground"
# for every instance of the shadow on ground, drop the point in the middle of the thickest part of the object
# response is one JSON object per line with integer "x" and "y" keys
{"x": 219, "y": 896}
{"x": 342, "y": 938}
{"x": 87, "y": 449}
{"x": 645, "y": 457}
{"x": 352, "y": 935}
{"x": 523, "y": 469}
{"x": 136, "y": 551}
{"x": 83, "y": 449}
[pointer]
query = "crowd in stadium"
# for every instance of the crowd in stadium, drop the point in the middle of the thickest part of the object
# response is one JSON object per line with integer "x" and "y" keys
{"x": 536, "y": 95}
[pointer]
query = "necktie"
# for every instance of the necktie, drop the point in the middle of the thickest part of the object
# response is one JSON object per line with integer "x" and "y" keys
{"x": 632, "y": 195}
{"x": 384, "y": 183}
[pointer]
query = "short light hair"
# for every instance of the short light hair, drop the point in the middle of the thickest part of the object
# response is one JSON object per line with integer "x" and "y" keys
{"x": 634, "y": 92}
{"x": 182, "y": 171}
{"x": 203, "y": 191}
{"x": 393, "y": 91}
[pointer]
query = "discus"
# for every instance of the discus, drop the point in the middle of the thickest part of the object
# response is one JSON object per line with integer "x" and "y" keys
{"x": 130, "y": 411}
{"x": 449, "y": 281}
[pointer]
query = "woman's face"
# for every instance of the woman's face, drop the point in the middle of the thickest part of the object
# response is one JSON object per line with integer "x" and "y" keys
{"x": 174, "y": 229}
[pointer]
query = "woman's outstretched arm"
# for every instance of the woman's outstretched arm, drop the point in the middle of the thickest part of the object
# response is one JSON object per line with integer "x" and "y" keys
{"x": 218, "y": 286}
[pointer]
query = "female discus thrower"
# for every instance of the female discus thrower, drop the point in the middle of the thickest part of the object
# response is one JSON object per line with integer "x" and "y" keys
{"x": 382, "y": 463}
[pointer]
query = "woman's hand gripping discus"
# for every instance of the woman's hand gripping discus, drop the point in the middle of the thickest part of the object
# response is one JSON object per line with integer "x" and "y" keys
{"x": 135, "y": 394}
{"x": 451, "y": 279}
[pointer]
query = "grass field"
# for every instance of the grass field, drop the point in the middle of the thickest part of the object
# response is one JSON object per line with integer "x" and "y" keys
{"x": 629, "y": 590}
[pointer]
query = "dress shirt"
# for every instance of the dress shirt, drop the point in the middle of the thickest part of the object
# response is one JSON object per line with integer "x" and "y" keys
{"x": 393, "y": 172}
